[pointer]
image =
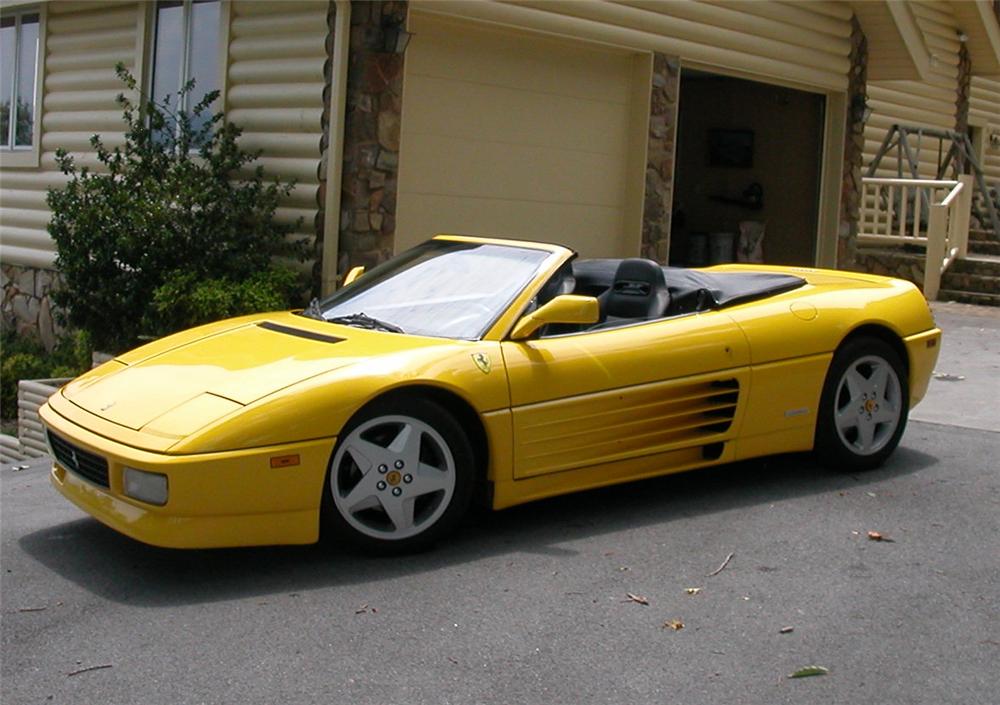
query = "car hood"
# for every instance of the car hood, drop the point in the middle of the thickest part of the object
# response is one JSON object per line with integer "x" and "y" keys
{"x": 180, "y": 383}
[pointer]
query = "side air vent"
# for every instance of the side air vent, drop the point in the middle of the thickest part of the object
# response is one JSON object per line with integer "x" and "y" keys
{"x": 299, "y": 332}
{"x": 713, "y": 451}
{"x": 726, "y": 395}
{"x": 613, "y": 424}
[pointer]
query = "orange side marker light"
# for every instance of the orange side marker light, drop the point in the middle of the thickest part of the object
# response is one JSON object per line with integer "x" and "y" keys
{"x": 284, "y": 461}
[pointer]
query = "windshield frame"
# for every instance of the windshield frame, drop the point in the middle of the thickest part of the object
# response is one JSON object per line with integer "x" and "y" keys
{"x": 505, "y": 314}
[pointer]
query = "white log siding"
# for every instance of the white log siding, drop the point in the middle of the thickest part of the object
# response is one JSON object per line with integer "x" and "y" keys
{"x": 805, "y": 45}
{"x": 84, "y": 41}
{"x": 984, "y": 112}
{"x": 929, "y": 103}
{"x": 274, "y": 91}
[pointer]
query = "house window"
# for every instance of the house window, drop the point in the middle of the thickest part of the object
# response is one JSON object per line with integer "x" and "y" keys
{"x": 18, "y": 59}
{"x": 187, "y": 47}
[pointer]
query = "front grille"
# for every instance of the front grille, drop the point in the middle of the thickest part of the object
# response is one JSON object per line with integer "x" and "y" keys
{"x": 78, "y": 461}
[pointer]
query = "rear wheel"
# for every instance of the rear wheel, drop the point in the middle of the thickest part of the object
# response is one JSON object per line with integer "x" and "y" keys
{"x": 401, "y": 476}
{"x": 864, "y": 406}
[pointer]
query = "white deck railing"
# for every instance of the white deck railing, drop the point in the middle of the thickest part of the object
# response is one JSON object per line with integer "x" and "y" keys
{"x": 927, "y": 213}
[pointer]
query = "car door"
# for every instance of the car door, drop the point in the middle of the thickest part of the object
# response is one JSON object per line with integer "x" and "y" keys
{"x": 609, "y": 396}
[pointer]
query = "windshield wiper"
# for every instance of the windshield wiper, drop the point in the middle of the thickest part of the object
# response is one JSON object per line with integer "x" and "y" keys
{"x": 363, "y": 320}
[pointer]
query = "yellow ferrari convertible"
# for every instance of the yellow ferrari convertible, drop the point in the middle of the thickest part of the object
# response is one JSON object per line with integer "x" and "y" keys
{"x": 479, "y": 369}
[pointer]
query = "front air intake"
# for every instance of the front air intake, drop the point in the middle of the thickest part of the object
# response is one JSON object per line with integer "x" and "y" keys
{"x": 78, "y": 461}
{"x": 299, "y": 332}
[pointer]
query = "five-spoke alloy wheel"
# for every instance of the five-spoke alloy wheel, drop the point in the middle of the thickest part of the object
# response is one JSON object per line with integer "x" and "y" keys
{"x": 401, "y": 475}
{"x": 864, "y": 406}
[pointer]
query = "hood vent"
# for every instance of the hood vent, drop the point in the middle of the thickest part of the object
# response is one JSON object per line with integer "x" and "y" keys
{"x": 299, "y": 332}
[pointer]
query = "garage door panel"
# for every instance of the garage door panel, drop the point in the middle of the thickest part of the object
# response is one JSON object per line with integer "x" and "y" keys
{"x": 515, "y": 61}
{"x": 516, "y": 171}
{"x": 518, "y": 134}
{"x": 468, "y": 110}
{"x": 591, "y": 230}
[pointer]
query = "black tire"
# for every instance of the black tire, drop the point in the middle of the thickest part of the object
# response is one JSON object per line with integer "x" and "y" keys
{"x": 860, "y": 421}
{"x": 398, "y": 485}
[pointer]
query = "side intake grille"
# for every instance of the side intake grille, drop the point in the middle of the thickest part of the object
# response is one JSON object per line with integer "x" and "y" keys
{"x": 726, "y": 394}
{"x": 78, "y": 461}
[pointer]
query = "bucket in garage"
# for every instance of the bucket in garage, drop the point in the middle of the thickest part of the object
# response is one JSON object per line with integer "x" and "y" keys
{"x": 721, "y": 247}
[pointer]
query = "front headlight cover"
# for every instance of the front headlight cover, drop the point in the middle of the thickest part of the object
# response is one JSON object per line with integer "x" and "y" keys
{"x": 149, "y": 487}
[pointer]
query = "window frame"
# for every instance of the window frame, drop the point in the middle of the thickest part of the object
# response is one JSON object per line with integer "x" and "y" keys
{"x": 149, "y": 53}
{"x": 28, "y": 155}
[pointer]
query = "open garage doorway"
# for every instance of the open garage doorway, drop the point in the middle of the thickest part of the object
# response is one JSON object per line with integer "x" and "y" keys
{"x": 749, "y": 157}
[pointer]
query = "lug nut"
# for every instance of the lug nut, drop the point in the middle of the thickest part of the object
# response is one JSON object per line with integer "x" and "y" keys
{"x": 381, "y": 485}
{"x": 396, "y": 491}
{"x": 383, "y": 468}
{"x": 407, "y": 478}
{"x": 399, "y": 464}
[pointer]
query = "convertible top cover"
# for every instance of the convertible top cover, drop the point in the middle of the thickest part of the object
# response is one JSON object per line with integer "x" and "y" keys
{"x": 692, "y": 289}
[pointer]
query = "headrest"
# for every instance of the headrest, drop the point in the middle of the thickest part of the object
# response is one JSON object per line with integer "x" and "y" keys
{"x": 639, "y": 290}
{"x": 638, "y": 277}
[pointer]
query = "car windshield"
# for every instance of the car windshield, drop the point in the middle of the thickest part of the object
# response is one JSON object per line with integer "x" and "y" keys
{"x": 442, "y": 288}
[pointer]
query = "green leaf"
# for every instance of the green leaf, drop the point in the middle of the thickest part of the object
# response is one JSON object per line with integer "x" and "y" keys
{"x": 807, "y": 671}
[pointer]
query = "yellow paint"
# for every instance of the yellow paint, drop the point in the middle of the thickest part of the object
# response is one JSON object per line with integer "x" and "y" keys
{"x": 562, "y": 309}
{"x": 213, "y": 408}
{"x": 353, "y": 275}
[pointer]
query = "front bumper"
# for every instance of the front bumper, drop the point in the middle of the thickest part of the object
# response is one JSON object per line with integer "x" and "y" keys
{"x": 232, "y": 498}
{"x": 922, "y": 349}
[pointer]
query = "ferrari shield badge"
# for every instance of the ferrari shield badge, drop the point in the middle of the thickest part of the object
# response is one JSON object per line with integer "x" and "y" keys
{"x": 482, "y": 361}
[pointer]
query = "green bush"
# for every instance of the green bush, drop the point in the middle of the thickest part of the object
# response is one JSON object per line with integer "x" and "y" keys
{"x": 177, "y": 204}
{"x": 184, "y": 301}
{"x": 26, "y": 358}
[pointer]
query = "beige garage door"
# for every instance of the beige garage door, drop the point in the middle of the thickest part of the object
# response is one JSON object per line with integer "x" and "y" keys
{"x": 514, "y": 135}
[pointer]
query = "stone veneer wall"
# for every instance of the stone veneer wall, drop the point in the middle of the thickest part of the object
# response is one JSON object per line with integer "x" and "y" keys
{"x": 658, "y": 201}
{"x": 893, "y": 263}
{"x": 854, "y": 144}
{"x": 371, "y": 144}
{"x": 27, "y": 302}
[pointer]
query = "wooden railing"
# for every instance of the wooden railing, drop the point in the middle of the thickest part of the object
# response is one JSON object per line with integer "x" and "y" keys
{"x": 926, "y": 213}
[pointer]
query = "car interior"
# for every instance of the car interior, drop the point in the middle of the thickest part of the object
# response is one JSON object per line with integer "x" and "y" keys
{"x": 637, "y": 290}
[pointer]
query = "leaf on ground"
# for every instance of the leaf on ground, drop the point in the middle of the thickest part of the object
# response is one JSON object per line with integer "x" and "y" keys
{"x": 807, "y": 671}
{"x": 674, "y": 624}
{"x": 692, "y": 591}
{"x": 877, "y": 536}
{"x": 639, "y": 599}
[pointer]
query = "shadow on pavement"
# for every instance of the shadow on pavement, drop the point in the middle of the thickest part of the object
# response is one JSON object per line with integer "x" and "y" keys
{"x": 122, "y": 570}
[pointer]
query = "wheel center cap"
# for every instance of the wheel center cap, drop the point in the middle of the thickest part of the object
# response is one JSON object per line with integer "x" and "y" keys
{"x": 870, "y": 405}
{"x": 393, "y": 478}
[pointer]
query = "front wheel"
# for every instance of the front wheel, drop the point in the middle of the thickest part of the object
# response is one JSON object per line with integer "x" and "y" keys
{"x": 864, "y": 406}
{"x": 401, "y": 476}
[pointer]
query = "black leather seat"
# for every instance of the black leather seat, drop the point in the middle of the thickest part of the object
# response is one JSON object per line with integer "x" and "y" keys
{"x": 639, "y": 293}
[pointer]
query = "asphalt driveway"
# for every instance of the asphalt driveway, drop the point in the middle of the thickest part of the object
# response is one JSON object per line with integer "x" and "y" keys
{"x": 532, "y": 605}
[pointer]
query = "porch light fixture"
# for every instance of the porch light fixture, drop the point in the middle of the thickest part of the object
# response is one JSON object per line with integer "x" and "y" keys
{"x": 396, "y": 40}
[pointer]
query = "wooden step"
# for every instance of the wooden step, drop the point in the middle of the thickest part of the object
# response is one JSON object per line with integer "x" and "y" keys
{"x": 971, "y": 283}
{"x": 968, "y": 297}
{"x": 984, "y": 247}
